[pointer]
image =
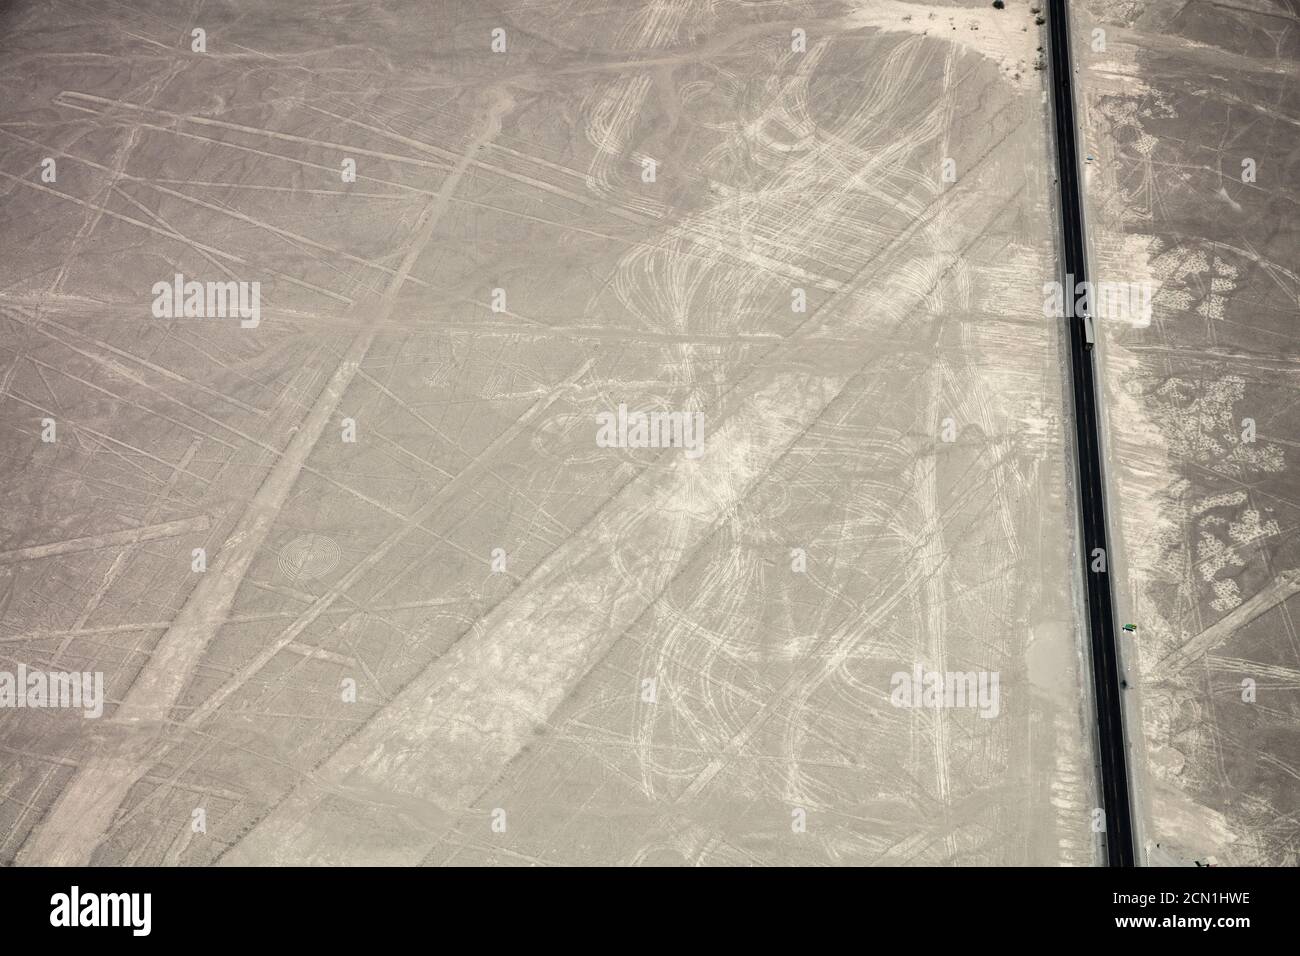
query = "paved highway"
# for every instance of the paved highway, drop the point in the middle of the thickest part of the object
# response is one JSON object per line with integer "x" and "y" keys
{"x": 1101, "y": 615}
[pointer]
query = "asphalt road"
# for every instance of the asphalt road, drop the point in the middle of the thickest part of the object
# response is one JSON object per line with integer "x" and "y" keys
{"x": 1101, "y": 616}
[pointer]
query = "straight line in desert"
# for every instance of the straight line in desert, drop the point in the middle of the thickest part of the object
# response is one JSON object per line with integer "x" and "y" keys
{"x": 96, "y": 542}
{"x": 1275, "y": 592}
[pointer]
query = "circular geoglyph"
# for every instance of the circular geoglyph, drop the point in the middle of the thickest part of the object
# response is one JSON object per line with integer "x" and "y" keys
{"x": 309, "y": 557}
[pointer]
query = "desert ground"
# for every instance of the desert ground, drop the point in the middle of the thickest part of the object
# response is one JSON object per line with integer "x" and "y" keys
{"x": 1193, "y": 127}
{"x": 363, "y": 582}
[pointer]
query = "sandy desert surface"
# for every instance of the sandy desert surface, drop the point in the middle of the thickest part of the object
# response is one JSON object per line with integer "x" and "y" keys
{"x": 383, "y": 570}
{"x": 1193, "y": 125}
